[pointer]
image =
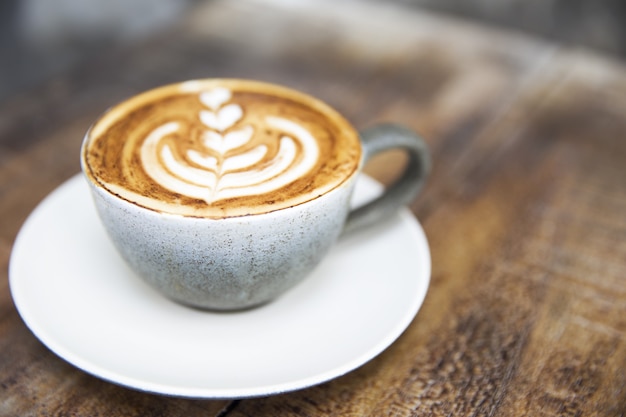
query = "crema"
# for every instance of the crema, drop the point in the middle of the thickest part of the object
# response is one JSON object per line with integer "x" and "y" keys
{"x": 220, "y": 148}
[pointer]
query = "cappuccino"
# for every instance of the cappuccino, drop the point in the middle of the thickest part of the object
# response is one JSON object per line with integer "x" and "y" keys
{"x": 220, "y": 148}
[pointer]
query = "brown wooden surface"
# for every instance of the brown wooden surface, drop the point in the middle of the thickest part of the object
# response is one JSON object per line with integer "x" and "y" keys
{"x": 525, "y": 210}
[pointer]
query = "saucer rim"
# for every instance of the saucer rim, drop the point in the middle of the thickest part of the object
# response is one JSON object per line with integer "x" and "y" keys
{"x": 56, "y": 346}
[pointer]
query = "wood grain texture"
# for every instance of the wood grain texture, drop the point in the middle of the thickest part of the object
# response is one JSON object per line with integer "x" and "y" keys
{"x": 524, "y": 211}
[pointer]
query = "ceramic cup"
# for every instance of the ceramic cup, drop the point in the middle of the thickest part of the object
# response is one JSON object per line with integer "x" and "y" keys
{"x": 224, "y": 194}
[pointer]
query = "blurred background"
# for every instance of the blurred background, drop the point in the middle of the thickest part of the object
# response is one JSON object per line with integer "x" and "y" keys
{"x": 39, "y": 38}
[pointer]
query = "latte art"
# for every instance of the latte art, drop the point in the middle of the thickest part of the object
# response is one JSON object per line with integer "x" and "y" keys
{"x": 220, "y": 148}
{"x": 223, "y": 166}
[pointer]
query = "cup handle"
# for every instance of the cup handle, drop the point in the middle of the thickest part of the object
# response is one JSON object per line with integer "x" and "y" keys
{"x": 403, "y": 191}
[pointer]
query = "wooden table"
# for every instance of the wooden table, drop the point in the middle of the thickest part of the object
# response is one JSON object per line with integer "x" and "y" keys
{"x": 525, "y": 209}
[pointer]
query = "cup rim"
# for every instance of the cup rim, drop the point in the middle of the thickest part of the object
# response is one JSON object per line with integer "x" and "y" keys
{"x": 198, "y": 85}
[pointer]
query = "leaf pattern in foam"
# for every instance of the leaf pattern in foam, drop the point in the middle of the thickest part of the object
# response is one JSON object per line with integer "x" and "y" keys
{"x": 222, "y": 166}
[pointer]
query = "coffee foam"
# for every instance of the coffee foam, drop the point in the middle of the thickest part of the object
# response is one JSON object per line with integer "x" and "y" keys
{"x": 220, "y": 148}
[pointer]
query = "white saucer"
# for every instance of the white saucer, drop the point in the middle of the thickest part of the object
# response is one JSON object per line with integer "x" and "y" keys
{"x": 80, "y": 300}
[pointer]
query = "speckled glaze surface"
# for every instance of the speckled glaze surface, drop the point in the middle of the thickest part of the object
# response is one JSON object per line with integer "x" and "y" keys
{"x": 241, "y": 262}
{"x": 225, "y": 264}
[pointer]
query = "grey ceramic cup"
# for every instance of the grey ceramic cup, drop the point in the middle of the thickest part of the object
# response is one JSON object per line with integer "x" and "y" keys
{"x": 240, "y": 262}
